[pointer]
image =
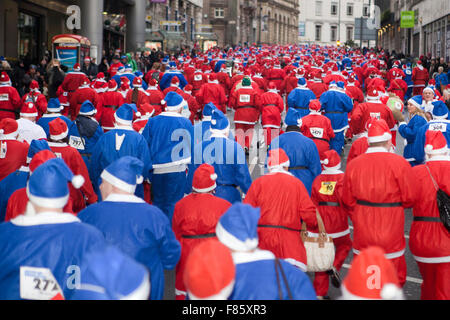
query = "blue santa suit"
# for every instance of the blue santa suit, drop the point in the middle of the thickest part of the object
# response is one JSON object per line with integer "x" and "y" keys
{"x": 111, "y": 275}
{"x": 85, "y": 142}
{"x": 337, "y": 105}
{"x": 129, "y": 76}
{"x": 299, "y": 99}
{"x": 202, "y": 132}
{"x": 419, "y": 144}
{"x": 167, "y": 78}
{"x": 57, "y": 241}
{"x": 303, "y": 156}
{"x": 228, "y": 159}
{"x": 170, "y": 139}
{"x": 13, "y": 182}
{"x": 47, "y": 118}
{"x": 256, "y": 278}
{"x": 140, "y": 230}
{"x": 409, "y": 82}
{"x": 409, "y": 132}
{"x": 113, "y": 145}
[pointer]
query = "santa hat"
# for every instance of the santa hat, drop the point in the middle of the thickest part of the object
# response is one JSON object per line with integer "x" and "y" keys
{"x": 212, "y": 78}
{"x": 332, "y": 84}
{"x": 99, "y": 86}
{"x": 416, "y": 101}
{"x": 100, "y": 77}
{"x": 340, "y": 85}
{"x": 137, "y": 82}
{"x": 208, "y": 110}
{"x": 112, "y": 85}
{"x": 9, "y": 129}
{"x": 237, "y": 228}
{"x": 152, "y": 84}
{"x": 209, "y": 273}
{"x": 28, "y": 110}
{"x": 54, "y": 105}
{"x": 219, "y": 122}
{"x": 419, "y": 62}
{"x": 124, "y": 173}
{"x": 277, "y": 160}
{"x": 47, "y": 186}
{"x": 85, "y": 83}
{"x": 188, "y": 89}
{"x": 435, "y": 142}
{"x": 372, "y": 94}
{"x": 173, "y": 101}
{"x": 331, "y": 160}
{"x": 146, "y": 110}
{"x": 301, "y": 83}
{"x": 58, "y": 129}
{"x": 440, "y": 110}
{"x": 379, "y": 131}
{"x": 40, "y": 157}
{"x": 34, "y": 86}
{"x": 429, "y": 89}
{"x": 87, "y": 59}
{"x": 87, "y": 109}
{"x": 272, "y": 87}
{"x": 174, "y": 82}
{"x": 246, "y": 82}
{"x": 4, "y": 78}
{"x": 77, "y": 67}
{"x": 35, "y": 147}
{"x": 293, "y": 118}
{"x": 204, "y": 179}
{"x": 125, "y": 114}
{"x": 172, "y": 65}
{"x": 361, "y": 283}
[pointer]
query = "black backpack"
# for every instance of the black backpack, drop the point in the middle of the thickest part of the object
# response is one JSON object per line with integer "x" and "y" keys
{"x": 443, "y": 203}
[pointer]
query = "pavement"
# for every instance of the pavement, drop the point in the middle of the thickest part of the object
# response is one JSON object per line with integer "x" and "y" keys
{"x": 256, "y": 161}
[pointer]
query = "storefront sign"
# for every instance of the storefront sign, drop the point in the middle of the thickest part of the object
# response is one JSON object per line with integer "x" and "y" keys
{"x": 170, "y": 23}
{"x": 407, "y": 19}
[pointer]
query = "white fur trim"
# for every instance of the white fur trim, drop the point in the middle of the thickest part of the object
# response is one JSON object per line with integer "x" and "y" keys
{"x": 44, "y": 218}
{"x": 90, "y": 113}
{"x": 429, "y": 150}
{"x": 335, "y": 168}
{"x": 221, "y": 295}
{"x": 127, "y": 123}
{"x": 52, "y": 203}
{"x": 140, "y": 293}
{"x": 122, "y": 185}
{"x": 297, "y": 264}
{"x": 176, "y": 107}
{"x": 205, "y": 190}
{"x": 29, "y": 114}
{"x": 385, "y": 137}
{"x": 60, "y": 136}
{"x": 256, "y": 255}
{"x": 234, "y": 243}
{"x": 130, "y": 198}
{"x": 432, "y": 260}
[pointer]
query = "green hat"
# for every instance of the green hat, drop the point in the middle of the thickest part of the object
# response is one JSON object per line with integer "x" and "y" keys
{"x": 246, "y": 82}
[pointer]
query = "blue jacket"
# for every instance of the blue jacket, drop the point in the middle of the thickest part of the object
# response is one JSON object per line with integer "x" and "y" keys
{"x": 140, "y": 230}
{"x": 408, "y": 77}
{"x": 409, "y": 132}
{"x": 299, "y": 99}
{"x": 55, "y": 241}
{"x": 419, "y": 144}
{"x": 129, "y": 76}
{"x": 47, "y": 118}
{"x": 441, "y": 80}
{"x": 302, "y": 152}
{"x": 167, "y": 78}
{"x": 13, "y": 182}
{"x": 336, "y": 105}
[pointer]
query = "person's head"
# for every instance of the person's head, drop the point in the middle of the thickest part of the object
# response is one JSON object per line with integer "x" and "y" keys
{"x": 379, "y": 135}
{"x": 123, "y": 117}
{"x": 35, "y": 147}
{"x": 121, "y": 177}
{"x": 278, "y": 161}
{"x": 9, "y": 129}
{"x": 293, "y": 118}
{"x": 204, "y": 179}
{"x": 435, "y": 145}
{"x": 331, "y": 160}
{"x": 54, "y": 106}
{"x": 87, "y": 109}
{"x": 440, "y": 110}
{"x": 428, "y": 94}
{"x": 441, "y": 69}
{"x": 174, "y": 102}
{"x": 442, "y": 60}
{"x": 32, "y": 69}
{"x": 29, "y": 111}
{"x": 58, "y": 130}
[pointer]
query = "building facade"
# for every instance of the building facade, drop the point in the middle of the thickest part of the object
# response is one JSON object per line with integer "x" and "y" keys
{"x": 327, "y": 22}
{"x": 430, "y": 34}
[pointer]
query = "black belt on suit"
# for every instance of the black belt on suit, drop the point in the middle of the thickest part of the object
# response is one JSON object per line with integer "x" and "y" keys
{"x": 379, "y": 205}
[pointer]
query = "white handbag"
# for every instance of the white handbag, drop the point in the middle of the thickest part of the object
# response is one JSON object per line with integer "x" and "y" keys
{"x": 319, "y": 250}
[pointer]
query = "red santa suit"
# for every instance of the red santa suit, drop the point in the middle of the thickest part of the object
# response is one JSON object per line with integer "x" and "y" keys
{"x": 13, "y": 154}
{"x": 237, "y": 78}
{"x": 290, "y": 83}
{"x": 247, "y": 103}
{"x": 138, "y": 95}
{"x": 10, "y": 102}
{"x": 398, "y": 85}
{"x": 224, "y": 80}
{"x": 262, "y": 83}
{"x": 317, "y": 127}
{"x": 429, "y": 240}
{"x": 326, "y": 195}
{"x": 113, "y": 68}
{"x": 212, "y": 92}
{"x": 420, "y": 77}
{"x": 111, "y": 100}
{"x": 195, "y": 218}
{"x": 378, "y": 185}
{"x": 354, "y": 91}
{"x": 359, "y": 147}
{"x": 395, "y": 70}
{"x": 194, "y": 106}
{"x": 155, "y": 97}
{"x": 84, "y": 92}
{"x": 317, "y": 86}
{"x": 63, "y": 97}
{"x": 335, "y": 76}
{"x": 37, "y": 98}
{"x": 71, "y": 156}
{"x": 197, "y": 79}
{"x": 73, "y": 80}
{"x": 277, "y": 75}
{"x": 272, "y": 105}
{"x": 284, "y": 203}
{"x": 146, "y": 111}
{"x": 373, "y": 108}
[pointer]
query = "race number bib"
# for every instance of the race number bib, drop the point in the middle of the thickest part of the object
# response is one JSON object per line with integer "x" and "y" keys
{"x": 76, "y": 142}
{"x": 39, "y": 284}
{"x": 316, "y": 132}
{"x": 375, "y": 115}
{"x": 4, "y": 97}
{"x": 65, "y": 94}
{"x": 438, "y": 127}
{"x": 244, "y": 98}
{"x": 58, "y": 155}
{"x": 198, "y": 77}
{"x": 327, "y": 187}
{"x": 3, "y": 150}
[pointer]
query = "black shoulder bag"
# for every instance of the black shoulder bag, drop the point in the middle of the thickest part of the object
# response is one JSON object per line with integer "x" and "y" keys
{"x": 443, "y": 203}
{"x": 280, "y": 291}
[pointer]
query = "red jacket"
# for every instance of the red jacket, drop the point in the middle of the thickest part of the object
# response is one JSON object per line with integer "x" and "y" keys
{"x": 420, "y": 77}
{"x": 139, "y": 125}
{"x": 13, "y": 155}
{"x": 262, "y": 83}
{"x": 289, "y": 84}
{"x": 73, "y": 81}
{"x": 333, "y": 77}
{"x": 318, "y": 128}
{"x": 277, "y": 76}
{"x": 38, "y": 99}
{"x": 326, "y": 194}
{"x": 272, "y": 105}
{"x": 111, "y": 101}
{"x": 80, "y": 96}
{"x": 377, "y": 110}
{"x": 195, "y": 214}
{"x": 63, "y": 97}
{"x": 355, "y": 93}
{"x": 212, "y": 92}
{"x": 390, "y": 74}
{"x": 247, "y": 103}
{"x": 194, "y": 107}
{"x": 359, "y": 147}
{"x": 399, "y": 88}
{"x": 430, "y": 240}
{"x": 374, "y": 178}
{"x": 142, "y": 97}
{"x": 155, "y": 98}
{"x": 197, "y": 79}
{"x": 225, "y": 81}
{"x": 113, "y": 69}
{"x": 286, "y": 209}
{"x": 75, "y": 162}
{"x": 9, "y": 100}
{"x": 318, "y": 88}
{"x": 375, "y": 82}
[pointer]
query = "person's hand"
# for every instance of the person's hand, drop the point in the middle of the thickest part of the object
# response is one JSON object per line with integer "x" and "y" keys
{"x": 398, "y": 115}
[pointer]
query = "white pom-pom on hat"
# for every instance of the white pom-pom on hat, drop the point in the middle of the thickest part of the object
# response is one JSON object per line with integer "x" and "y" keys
{"x": 428, "y": 148}
{"x": 325, "y": 162}
{"x": 138, "y": 114}
{"x": 214, "y": 176}
{"x": 78, "y": 181}
{"x": 163, "y": 101}
{"x": 139, "y": 180}
{"x": 391, "y": 292}
{"x": 213, "y": 121}
{"x": 2, "y": 131}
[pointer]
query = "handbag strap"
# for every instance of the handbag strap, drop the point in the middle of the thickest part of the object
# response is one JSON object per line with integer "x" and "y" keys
{"x": 280, "y": 293}
{"x": 431, "y": 176}
{"x": 320, "y": 224}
